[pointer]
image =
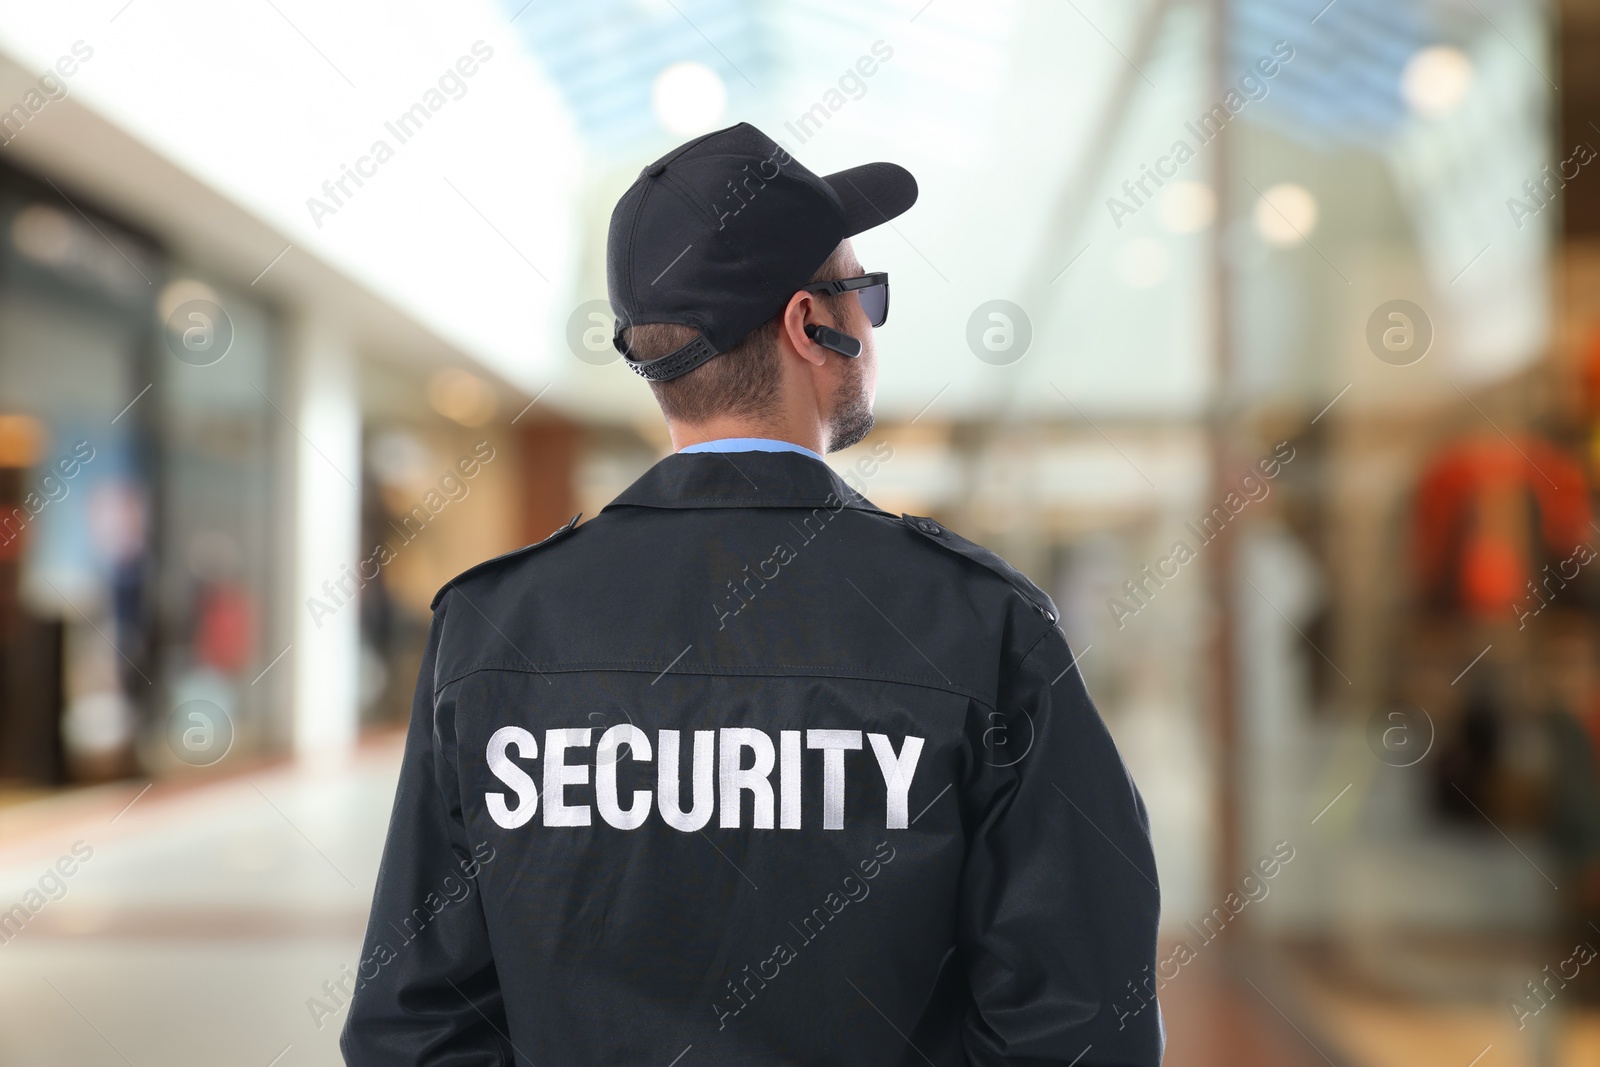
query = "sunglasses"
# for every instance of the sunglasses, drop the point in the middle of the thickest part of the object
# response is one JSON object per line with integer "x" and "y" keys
{"x": 871, "y": 289}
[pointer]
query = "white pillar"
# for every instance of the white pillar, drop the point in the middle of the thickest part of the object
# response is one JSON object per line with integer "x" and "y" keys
{"x": 325, "y": 496}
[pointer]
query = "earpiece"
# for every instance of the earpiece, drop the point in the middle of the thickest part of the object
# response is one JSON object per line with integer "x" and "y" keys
{"x": 833, "y": 340}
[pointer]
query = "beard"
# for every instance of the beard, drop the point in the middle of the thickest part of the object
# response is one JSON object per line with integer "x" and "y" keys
{"x": 852, "y": 419}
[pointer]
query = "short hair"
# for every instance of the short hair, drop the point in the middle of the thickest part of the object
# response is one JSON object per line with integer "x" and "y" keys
{"x": 742, "y": 380}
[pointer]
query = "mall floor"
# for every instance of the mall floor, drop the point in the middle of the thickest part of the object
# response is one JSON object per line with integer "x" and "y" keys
{"x": 201, "y": 920}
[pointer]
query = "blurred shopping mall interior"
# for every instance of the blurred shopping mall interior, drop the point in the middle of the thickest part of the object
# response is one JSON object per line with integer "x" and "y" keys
{"x": 1263, "y": 334}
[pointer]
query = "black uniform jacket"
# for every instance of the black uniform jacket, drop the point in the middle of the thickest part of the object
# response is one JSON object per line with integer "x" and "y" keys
{"x": 746, "y": 770}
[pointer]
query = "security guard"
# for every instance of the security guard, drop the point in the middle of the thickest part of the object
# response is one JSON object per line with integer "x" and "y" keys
{"x": 746, "y": 770}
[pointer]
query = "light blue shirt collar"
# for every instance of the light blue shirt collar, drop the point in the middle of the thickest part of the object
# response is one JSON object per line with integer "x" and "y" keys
{"x": 750, "y": 444}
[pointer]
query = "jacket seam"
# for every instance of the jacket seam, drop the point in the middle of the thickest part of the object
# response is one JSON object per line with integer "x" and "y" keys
{"x": 1024, "y": 659}
{"x": 1011, "y": 677}
{"x": 633, "y": 235}
{"x": 771, "y": 671}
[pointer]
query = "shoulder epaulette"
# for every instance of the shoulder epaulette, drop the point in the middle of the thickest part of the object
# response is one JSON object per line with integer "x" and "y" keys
{"x": 978, "y": 554}
{"x": 572, "y": 524}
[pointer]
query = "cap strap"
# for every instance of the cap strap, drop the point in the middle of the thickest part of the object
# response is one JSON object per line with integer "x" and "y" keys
{"x": 677, "y": 363}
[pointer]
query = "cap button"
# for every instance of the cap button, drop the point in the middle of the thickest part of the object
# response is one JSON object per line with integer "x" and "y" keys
{"x": 655, "y": 170}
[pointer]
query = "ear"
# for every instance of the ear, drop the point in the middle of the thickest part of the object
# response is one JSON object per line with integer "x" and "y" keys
{"x": 801, "y": 310}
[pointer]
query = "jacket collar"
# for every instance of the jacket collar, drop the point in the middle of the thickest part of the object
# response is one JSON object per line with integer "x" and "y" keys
{"x": 741, "y": 480}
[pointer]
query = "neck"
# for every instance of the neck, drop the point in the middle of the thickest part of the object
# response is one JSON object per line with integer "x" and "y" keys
{"x": 715, "y": 429}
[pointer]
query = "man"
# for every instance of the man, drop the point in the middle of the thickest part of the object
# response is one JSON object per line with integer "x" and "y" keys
{"x": 745, "y": 770}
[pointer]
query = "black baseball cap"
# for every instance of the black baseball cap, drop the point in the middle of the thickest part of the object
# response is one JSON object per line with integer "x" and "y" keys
{"x": 718, "y": 234}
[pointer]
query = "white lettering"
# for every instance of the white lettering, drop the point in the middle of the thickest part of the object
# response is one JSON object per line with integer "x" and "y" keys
{"x": 897, "y": 772}
{"x": 605, "y": 777}
{"x": 789, "y": 780}
{"x": 501, "y": 766}
{"x": 558, "y": 775}
{"x": 716, "y": 781}
{"x": 834, "y": 744}
{"x": 701, "y": 789}
{"x": 736, "y": 779}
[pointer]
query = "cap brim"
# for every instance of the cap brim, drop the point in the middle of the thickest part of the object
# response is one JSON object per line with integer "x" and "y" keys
{"x": 872, "y": 194}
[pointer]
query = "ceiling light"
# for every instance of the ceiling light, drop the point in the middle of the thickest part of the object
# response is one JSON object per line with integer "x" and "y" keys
{"x": 1187, "y": 207}
{"x": 688, "y": 98}
{"x": 1286, "y": 214}
{"x": 461, "y": 397}
{"x": 1436, "y": 80}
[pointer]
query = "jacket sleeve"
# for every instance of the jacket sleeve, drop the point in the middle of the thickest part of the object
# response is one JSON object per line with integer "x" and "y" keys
{"x": 1059, "y": 904}
{"x": 426, "y": 987}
